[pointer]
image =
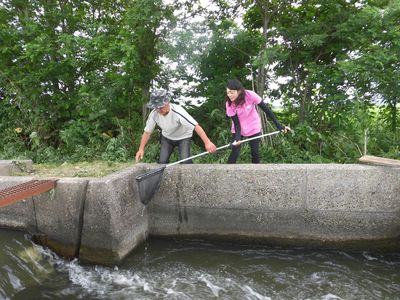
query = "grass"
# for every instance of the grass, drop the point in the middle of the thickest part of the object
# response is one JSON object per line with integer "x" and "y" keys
{"x": 81, "y": 169}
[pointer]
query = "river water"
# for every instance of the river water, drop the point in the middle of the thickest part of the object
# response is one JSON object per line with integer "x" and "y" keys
{"x": 197, "y": 269}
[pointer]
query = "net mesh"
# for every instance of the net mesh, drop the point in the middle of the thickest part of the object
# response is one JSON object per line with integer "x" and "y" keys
{"x": 148, "y": 184}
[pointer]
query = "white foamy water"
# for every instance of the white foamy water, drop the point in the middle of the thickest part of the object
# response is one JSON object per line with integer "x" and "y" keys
{"x": 194, "y": 269}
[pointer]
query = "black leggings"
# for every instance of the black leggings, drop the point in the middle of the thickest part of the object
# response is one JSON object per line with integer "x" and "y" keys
{"x": 254, "y": 147}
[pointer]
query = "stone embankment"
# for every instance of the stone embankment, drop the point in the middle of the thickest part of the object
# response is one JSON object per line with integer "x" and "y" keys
{"x": 101, "y": 220}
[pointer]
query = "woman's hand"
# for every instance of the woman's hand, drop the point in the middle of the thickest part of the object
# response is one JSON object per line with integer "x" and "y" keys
{"x": 285, "y": 129}
{"x": 236, "y": 143}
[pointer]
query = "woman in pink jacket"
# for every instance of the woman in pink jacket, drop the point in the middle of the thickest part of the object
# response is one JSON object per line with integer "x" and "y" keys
{"x": 241, "y": 108}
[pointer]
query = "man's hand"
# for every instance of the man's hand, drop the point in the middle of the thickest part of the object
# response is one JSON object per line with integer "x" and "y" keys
{"x": 210, "y": 147}
{"x": 286, "y": 129}
{"x": 145, "y": 138}
{"x": 139, "y": 155}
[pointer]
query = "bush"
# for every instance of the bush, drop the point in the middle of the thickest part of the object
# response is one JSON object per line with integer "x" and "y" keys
{"x": 116, "y": 150}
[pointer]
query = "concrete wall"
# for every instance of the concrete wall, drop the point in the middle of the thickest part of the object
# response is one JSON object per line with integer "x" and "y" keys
{"x": 326, "y": 202}
{"x": 59, "y": 216}
{"x": 100, "y": 220}
{"x": 115, "y": 222}
{"x": 20, "y": 215}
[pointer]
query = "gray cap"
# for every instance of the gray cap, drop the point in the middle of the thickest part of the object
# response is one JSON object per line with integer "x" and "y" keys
{"x": 158, "y": 99}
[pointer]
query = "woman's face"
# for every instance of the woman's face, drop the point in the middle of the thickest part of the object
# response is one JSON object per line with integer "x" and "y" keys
{"x": 232, "y": 94}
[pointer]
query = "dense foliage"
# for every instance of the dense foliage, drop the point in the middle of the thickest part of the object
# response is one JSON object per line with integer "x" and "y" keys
{"x": 75, "y": 75}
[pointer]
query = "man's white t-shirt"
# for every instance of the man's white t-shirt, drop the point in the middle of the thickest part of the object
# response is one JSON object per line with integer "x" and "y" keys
{"x": 176, "y": 125}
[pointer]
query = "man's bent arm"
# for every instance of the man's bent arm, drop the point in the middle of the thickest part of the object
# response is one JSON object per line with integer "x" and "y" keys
{"x": 145, "y": 138}
{"x": 210, "y": 147}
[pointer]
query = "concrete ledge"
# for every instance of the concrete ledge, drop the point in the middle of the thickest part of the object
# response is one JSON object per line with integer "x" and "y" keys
{"x": 10, "y": 167}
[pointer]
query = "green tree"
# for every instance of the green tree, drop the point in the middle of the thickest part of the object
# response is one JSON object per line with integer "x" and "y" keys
{"x": 227, "y": 56}
{"x": 73, "y": 70}
{"x": 374, "y": 68}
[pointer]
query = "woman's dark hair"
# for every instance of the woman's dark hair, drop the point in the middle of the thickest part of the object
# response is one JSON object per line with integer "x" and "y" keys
{"x": 235, "y": 84}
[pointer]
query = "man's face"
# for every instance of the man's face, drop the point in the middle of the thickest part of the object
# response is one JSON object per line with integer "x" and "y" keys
{"x": 163, "y": 110}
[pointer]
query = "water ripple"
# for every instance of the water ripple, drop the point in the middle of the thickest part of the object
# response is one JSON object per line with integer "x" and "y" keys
{"x": 193, "y": 269}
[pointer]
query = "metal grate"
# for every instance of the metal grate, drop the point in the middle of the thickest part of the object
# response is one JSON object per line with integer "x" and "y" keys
{"x": 25, "y": 190}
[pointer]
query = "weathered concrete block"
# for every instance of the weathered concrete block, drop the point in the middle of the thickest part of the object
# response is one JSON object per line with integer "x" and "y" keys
{"x": 19, "y": 215}
{"x": 9, "y": 167}
{"x": 59, "y": 215}
{"x": 239, "y": 223}
{"x": 352, "y": 225}
{"x": 234, "y": 186}
{"x": 316, "y": 202}
{"x": 115, "y": 221}
{"x": 353, "y": 188}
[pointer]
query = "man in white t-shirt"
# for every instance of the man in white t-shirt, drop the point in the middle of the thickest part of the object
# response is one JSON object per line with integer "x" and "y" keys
{"x": 176, "y": 128}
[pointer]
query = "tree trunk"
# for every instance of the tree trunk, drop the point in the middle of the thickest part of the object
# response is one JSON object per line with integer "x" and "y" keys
{"x": 303, "y": 111}
{"x": 261, "y": 73}
{"x": 393, "y": 113}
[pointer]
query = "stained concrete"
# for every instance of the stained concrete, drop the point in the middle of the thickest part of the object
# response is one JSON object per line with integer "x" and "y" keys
{"x": 317, "y": 202}
{"x": 101, "y": 220}
{"x": 20, "y": 215}
{"x": 10, "y": 167}
{"x": 114, "y": 222}
{"x": 59, "y": 216}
